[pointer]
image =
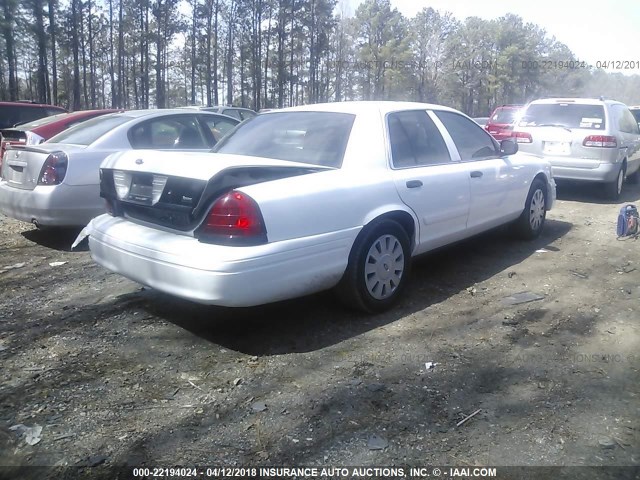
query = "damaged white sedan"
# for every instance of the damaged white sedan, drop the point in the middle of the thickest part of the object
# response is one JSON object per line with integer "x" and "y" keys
{"x": 304, "y": 199}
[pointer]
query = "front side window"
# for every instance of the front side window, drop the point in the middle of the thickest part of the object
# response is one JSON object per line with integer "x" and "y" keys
{"x": 472, "y": 142}
{"x": 415, "y": 140}
{"x": 232, "y": 113}
{"x": 317, "y": 138}
{"x": 218, "y": 126}
{"x": 628, "y": 122}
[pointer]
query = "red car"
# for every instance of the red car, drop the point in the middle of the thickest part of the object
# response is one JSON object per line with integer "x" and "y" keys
{"x": 37, "y": 131}
{"x": 500, "y": 123}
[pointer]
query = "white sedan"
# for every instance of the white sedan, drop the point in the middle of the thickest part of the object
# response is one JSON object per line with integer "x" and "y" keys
{"x": 309, "y": 198}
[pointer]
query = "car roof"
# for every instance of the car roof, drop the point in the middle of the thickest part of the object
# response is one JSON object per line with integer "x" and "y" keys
{"x": 362, "y": 107}
{"x": 159, "y": 112}
{"x": 29, "y": 104}
{"x": 577, "y": 101}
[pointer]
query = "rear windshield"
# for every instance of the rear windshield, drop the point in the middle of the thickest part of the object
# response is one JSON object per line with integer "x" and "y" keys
{"x": 86, "y": 133}
{"x": 16, "y": 115}
{"x": 570, "y": 115}
{"x": 318, "y": 138}
{"x": 42, "y": 121}
{"x": 504, "y": 115}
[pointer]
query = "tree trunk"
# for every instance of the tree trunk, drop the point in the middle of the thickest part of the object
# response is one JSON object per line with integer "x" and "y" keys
{"x": 75, "y": 47}
{"x": 54, "y": 61}
{"x": 7, "y": 31}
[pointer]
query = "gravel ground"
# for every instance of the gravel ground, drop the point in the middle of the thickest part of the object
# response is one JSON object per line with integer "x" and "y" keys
{"x": 117, "y": 374}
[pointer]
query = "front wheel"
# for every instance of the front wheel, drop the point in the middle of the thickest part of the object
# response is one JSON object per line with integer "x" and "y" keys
{"x": 531, "y": 221}
{"x": 378, "y": 268}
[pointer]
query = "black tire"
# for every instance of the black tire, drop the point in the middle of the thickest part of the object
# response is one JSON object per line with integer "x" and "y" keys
{"x": 375, "y": 290}
{"x": 531, "y": 221}
{"x": 634, "y": 177}
{"x": 613, "y": 189}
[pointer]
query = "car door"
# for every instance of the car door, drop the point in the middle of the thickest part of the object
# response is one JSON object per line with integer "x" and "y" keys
{"x": 433, "y": 186}
{"x": 494, "y": 180}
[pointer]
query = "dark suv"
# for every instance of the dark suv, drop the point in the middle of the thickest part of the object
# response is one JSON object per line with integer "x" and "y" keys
{"x": 12, "y": 113}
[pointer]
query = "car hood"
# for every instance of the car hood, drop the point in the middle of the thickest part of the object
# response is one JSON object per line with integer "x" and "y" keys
{"x": 196, "y": 165}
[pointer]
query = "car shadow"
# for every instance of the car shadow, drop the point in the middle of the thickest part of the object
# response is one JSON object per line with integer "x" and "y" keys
{"x": 59, "y": 239}
{"x": 587, "y": 192}
{"x": 317, "y": 321}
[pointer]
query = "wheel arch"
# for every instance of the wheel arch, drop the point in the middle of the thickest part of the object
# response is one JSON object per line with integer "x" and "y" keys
{"x": 545, "y": 181}
{"x": 405, "y": 219}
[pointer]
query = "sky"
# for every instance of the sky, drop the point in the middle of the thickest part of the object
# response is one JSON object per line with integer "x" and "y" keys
{"x": 594, "y": 31}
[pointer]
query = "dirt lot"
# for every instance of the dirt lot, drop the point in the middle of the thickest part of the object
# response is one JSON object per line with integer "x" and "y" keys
{"x": 117, "y": 374}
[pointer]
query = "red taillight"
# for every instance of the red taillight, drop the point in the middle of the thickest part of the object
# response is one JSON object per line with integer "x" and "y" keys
{"x": 54, "y": 169}
{"x": 605, "y": 141}
{"x": 234, "y": 218}
{"x": 522, "y": 137}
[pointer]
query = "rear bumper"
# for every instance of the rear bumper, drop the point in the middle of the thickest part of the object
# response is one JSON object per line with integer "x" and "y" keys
{"x": 51, "y": 206}
{"x": 599, "y": 172}
{"x": 219, "y": 275}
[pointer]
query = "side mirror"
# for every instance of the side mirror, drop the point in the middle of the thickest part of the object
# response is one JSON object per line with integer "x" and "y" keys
{"x": 508, "y": 147}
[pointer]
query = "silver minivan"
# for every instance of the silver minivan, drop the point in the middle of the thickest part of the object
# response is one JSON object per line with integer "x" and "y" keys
{"x": 587, "y": 139}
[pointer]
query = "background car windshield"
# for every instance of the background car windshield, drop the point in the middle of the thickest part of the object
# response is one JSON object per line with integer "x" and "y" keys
{"x": 570, "y": 115}
{"x": 88, "y": 132}
{"x": 504, "y": 115}
{"x": 318, "y": 138}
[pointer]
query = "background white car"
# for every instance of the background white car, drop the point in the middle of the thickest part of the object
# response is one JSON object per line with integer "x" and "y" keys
{"x": 309, "y": 198}
{"x": 56, "y": 183}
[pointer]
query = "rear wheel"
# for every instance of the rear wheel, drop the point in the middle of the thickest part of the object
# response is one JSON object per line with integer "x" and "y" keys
{"x": 531, "y": 221}
{"x": 634, "y": 177}
{"x": 613, "y": 189}
{"x": 378, "y": 269}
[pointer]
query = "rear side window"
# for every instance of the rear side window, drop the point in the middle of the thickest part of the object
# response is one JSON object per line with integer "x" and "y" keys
{"x": 472, "y": 142}
{"x": 415, "y": 140}
{"x": 317, "y": 138}
{"x": 569, "y": 115}
{"x": 88, "y": 132}
{"x": 218, "y": 126}
{"x": 180, "y": 132}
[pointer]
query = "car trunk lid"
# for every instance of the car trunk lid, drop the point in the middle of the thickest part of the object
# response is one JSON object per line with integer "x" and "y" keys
{"x": 176, "y": 190}
{"x": 22, "y": 166}
{"x": 563, "y": 146}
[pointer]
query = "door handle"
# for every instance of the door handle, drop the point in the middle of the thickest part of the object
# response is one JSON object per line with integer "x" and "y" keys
{"x": 414, "y": 183}
{"x": 476, "y": 174}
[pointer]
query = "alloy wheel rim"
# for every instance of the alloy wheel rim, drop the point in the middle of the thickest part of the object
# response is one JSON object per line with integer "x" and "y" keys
{"x": 384, "y": 267}
{"x": 536, "y": 213}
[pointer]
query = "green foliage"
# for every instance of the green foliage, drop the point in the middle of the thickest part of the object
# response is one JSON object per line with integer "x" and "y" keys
{"x": 274, "y": 53}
